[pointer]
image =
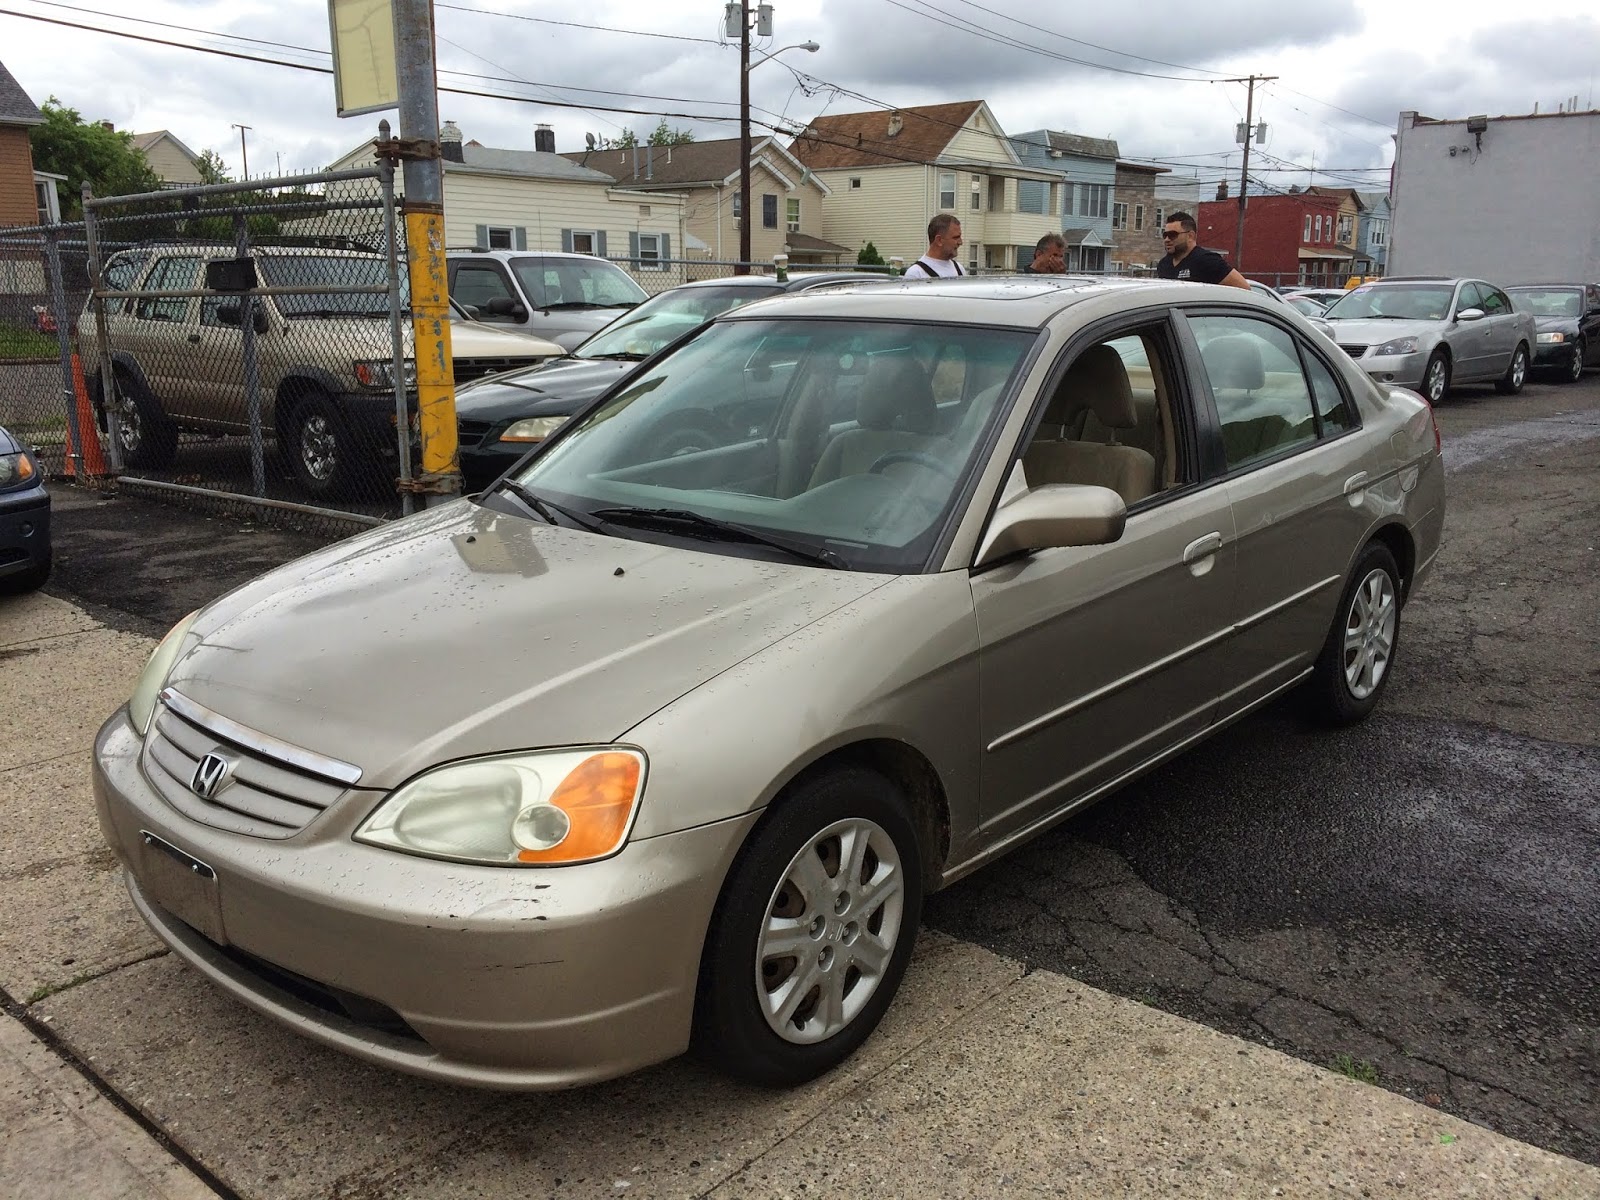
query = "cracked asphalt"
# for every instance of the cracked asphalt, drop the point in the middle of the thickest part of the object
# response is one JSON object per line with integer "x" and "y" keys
{"x": 1416, "y": 898}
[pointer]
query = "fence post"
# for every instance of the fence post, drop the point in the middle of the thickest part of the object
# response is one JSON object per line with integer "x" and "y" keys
{"x": 108, "y": 379}
{"x": 397, "y": 344}
{"x": 252, "y": 375}
{"x": 58, "y": 308}
{"x": 780, "y": 267}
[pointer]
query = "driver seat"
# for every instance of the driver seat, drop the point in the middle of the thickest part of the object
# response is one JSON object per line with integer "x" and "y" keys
{"x": 896, "y": 412}
{"x": 1096, "y": 383}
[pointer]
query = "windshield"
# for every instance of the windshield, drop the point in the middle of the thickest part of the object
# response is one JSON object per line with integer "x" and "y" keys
{"x": 849, "y": 438}
{"x": 576, "y": 282}
{"x": 328, "y": 270}
{"x": 665, "y": 318}
{"x": 1549, "y": 302}
{"x": 1393, "y": 301}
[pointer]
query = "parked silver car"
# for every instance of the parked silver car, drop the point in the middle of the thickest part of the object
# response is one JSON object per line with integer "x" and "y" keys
{"x": 639, "y": 751}
{"x": 1428, "y": 334}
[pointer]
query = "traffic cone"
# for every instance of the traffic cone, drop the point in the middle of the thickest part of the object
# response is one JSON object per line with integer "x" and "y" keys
{"x": 94, "y": 463}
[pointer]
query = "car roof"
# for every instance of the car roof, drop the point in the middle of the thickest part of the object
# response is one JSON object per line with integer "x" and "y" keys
{"x": 457, "y": 251}
{"x": 1518, "y": 287}
{"x": 1013, "y": 300}
{"x": 797, "y": 281}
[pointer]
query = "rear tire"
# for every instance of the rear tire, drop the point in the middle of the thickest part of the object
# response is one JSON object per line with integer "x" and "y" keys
{"x": 146, "y": 436}
{"x": 1358, "y": 657}
{"x": 1516, "y": 374}
{"x": 812, "y": 933}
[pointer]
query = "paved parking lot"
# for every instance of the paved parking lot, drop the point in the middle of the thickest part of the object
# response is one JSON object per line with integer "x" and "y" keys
{"x": 1411, "y": 899}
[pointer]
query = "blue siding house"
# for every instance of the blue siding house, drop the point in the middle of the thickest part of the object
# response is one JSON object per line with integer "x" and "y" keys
{"x": 1089, "y": 168}
{"x": 1372, "y": 235}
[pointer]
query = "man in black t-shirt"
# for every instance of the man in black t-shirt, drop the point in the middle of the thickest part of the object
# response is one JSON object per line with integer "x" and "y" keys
{"x": 1187, "y": 259}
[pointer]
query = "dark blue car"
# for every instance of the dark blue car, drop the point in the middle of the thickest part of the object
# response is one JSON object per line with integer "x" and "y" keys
{"x": 24, "y": 519}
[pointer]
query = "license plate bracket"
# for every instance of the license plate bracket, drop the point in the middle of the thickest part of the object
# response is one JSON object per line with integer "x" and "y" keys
{"x": 181, "y": 884}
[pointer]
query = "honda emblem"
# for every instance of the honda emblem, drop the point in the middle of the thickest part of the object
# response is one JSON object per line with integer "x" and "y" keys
{"x": 210, "y": 773}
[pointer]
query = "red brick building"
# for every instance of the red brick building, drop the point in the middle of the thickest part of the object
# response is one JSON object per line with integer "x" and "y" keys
{"x": 1287, "y": 239}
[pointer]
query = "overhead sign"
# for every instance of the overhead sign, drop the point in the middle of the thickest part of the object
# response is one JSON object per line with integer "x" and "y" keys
{"x": 364, "y": 76}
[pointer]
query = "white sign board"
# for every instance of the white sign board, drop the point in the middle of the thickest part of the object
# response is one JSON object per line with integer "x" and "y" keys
{"x": 364, "y": 77}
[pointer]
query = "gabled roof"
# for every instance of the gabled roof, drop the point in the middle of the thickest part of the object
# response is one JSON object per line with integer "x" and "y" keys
{"x": 142, "y": 142}
{"x": 15, "y": 106}
{"x": 1336, "y": 193}
{"x": 862, "y": 139}
{"x": 1071, "y": 143}
{"x": 690, "y": 164}
{"x": 1371, "y": 200}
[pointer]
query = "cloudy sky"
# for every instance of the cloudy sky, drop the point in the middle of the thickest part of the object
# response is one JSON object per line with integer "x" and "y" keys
{"x": 1147, "y": 74}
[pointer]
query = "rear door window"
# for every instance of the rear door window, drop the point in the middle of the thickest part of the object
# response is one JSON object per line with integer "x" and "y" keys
{"x": 1263, "y": 399}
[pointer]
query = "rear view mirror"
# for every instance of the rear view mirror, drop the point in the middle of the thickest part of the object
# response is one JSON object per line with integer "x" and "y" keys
{"x": 1057, "y": 514}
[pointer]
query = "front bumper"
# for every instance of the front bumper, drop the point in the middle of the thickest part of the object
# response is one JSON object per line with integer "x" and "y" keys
{"x": 24, "y": 531}
{"x": 1554, "y": 356}
{"x": 1399, "y": 370}
{"x": 488, "y": 977}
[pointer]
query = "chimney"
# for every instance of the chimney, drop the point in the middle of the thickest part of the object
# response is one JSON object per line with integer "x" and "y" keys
{"x": 544, "y": 139}
{"x": 450, "y": 143}
{"x": 895, "y": 124}
{"x": 108, "y": 126}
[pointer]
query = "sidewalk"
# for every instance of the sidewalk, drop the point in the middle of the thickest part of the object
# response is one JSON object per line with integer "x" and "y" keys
{"x": 985, "y": 1079}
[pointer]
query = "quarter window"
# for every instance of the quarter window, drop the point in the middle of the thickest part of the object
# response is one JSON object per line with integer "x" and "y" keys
{"x": 1263, "y": 400}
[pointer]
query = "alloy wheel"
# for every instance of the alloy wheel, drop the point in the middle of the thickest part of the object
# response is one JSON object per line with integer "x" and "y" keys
{"x": 129, "y": 433}
{"x": 1434, "y": 386}
{"x": 319, "y": 448}
{"x": 830, "y": 931}
{"x": 1575, "y": 372}
{"x": 1519, "y": 368}
{"x": 1369, "y": 629}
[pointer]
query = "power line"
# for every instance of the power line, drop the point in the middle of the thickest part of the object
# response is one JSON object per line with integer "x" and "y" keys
{"x": 1079, "y": 41}
{"x": 1015, "y": 44}
{"x": 486, "y": 12}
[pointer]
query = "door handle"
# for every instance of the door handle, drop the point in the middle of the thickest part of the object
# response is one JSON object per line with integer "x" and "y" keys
{"x": 1202, "y": 547}
{"x": 1355, "y": 483}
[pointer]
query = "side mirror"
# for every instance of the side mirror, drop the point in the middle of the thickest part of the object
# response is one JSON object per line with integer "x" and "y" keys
{"x": 231, "y": 312}
{"x": 504, "y": 306}
{"x": 1470, "y": 314}
{"x": 1055, "y": 514}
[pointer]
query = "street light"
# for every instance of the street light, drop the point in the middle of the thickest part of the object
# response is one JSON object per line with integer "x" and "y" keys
{"x": 745, "y": 67}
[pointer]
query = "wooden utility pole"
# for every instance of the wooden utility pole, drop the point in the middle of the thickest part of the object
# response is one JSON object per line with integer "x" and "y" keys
{"x": 1244, "y": 168}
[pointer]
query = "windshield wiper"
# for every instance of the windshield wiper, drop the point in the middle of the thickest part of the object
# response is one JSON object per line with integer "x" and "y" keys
{"x": 668, "y": 518}
{"x": 548, "y": 508}
{"x": 579, "y": 304}
{"x": 618, "y": 356}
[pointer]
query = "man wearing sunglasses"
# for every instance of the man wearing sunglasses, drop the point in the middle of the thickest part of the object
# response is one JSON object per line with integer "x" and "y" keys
{"x": 1187, "y": 259}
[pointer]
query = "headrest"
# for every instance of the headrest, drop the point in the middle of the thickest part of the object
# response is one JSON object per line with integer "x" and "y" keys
{"x": 897, "y": 394}
{"x": 1096, "y": 381}
{"x": 1234, "y": 362}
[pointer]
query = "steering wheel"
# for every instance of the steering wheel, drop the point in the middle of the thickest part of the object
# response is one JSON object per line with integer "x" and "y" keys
{"x": 911, "y": 456}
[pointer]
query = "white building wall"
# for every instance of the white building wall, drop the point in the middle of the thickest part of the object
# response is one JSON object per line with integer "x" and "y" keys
{"x": 1516, "y": 210}
{"x": 890, "y": 209}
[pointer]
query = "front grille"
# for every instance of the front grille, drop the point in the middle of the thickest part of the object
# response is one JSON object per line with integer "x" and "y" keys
{"x": 263, "y": 797}
{"x": 469, "y": 434}
{"x": 1353, "y": 351}
{"x": 468, "y": 369}
{"x": 368, "y": 1013}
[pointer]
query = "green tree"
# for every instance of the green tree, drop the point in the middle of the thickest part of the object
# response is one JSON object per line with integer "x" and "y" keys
{"x": 211, "y": 168}
{"x": 662, "y": 136}
{"x": 869, "y": 256}
{"x": 627, "y": 141}
{"x": 82, "y": 150}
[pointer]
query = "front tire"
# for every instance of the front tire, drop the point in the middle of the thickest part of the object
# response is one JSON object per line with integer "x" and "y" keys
{"x": 1516, "y": 374}
{"x": 1354, "y": 666}
{"x": 322, "y": 449}
{"x": 1575, "y": 371}
{"x": 146, "y": 436}
{"x": 812, "y": 932}
{"x": 1436, "y": 378}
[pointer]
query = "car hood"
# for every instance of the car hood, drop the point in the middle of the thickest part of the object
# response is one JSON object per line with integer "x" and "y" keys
{"x": 474, "y": 339}
{"x": 465, "y": 631}
{"x": 554, "y": 388}
{"x": 1376, "y": 332}
{"x": 1556, "y": 324}
{"x": 571, "y": 327}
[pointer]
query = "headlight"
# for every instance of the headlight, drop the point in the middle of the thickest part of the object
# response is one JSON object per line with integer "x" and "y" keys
{"x": 379, "y": 373}
{"x": 16, "y": 470}
{"x": 142, "y": 704}
{"x": 539, "y": 808}
{"x": 1552, "y": 339}
{"x": 532, "y": 429}
{"x": 1405, "y": 345}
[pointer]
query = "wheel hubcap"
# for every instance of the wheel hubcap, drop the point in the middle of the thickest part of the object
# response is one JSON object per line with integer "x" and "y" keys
{"x": 1519, "y": 368}
{"x": 830, "y": 931}
{"x": 1577, "y": 361}
{"x": 319, "y": 449}
{"x": 127, "y": 423}
{"x": 1369, "y": 634}
{"x": 1436, "y": 382}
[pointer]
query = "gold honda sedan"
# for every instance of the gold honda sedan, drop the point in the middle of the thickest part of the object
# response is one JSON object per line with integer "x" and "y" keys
{"x": 644, "y": 750}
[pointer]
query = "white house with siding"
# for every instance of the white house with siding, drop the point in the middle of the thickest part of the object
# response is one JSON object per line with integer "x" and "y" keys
{"x": 889, "y": 173}
{"x": 538, "y": 200}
